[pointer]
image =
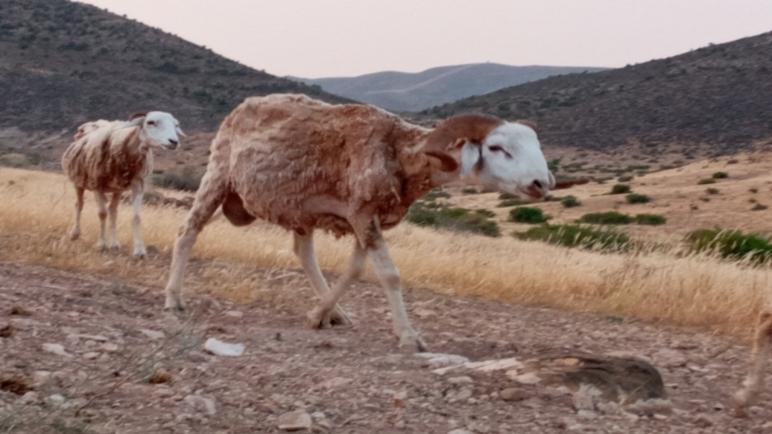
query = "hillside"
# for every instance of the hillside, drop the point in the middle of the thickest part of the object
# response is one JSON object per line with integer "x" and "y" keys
{"x": 63, "y": 63}
{"x": 403, "y": 91}
{"x": 717, "y": 95}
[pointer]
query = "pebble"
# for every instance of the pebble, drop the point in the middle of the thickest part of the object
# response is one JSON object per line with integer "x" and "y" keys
{"x": 669, "y": 358}
{"x": 460, "y": 431}
{"x": 234, "y": 313}
{"x": 201, "y": 404}
{"x": 152, "y": 334}
{"x": 109, "y": 347}
{"x": 439, "y": 360}
{"x": 463, "y": 379}
{"x": 56, "y": 399}
{"x": 513, "y": 394}
{"x": 56, "y": 349}
{"x": 91, "y": 355}
{"x": 294, "y": 421}
{"x": 220, "y": 348}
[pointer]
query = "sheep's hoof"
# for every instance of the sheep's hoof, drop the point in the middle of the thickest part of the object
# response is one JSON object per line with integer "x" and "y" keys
{"x": 101, "y": 246}
{"x": 410, "y": 341}
{"x": 140, "y": 253}
{"x": 318, "y": 319}
{"x": 172, "y": 305}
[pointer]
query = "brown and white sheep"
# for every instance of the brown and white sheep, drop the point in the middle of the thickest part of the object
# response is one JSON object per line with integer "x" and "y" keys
{"x": 109, "y": 157}
{"x": 348, "y": 169}
{"x": 762, "y": 343}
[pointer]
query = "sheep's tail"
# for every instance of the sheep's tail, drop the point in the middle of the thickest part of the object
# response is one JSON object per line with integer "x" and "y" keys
{"x": 234, "y": 211}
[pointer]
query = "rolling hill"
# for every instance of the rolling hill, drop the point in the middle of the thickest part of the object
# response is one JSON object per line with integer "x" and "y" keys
{"x": 403, "y": 91}
{"x": 719, "y": 95}
{"x": 63, "y": 63}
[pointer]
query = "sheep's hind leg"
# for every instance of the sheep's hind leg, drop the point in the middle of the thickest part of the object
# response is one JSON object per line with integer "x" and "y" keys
{"x": 112, "y": 237}
{"x": 101, "y": 201}
{"x": 389, "y": 276}
{"x": 322, "y": 316}
{"x": 75, "y": 232}
{"x": 136, "y": 222}
{"x": 759, "y": 360}
{"x": 210, "y": 195}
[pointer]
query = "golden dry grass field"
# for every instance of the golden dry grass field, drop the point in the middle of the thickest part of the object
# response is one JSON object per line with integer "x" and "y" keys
{"x": 247, "y": 264}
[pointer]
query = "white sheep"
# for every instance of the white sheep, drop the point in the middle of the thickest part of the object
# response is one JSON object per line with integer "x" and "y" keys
{"x": 762, "y": 341}
{"x": 109, "y": 157}
{"x": 305, "y": 165}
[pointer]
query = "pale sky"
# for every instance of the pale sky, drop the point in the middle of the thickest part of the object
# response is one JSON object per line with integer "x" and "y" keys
{"x": 317, "y": 38}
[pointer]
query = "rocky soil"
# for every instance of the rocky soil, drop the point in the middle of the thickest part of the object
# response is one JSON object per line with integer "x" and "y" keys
{"x": 80, "y": 354}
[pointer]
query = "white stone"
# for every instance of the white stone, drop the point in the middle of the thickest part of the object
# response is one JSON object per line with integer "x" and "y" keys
{"x": 56, "y": 349}
{"x": 201, "y": 404}
{"x": 152, "y": 334}
{"x": 442, "y": 360}
{"x": 294, "y": 421}
{"x": 220, "y": 348}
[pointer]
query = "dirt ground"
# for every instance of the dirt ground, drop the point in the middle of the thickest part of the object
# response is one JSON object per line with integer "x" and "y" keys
{"x": 119, "y": 364}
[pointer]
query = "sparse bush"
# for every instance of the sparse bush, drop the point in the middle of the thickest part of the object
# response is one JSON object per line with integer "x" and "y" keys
{"x": 436, "y": 194}
{"x": 625, "y": 178}
{"x": 511, "y": 202}
{"x": 620, "y": 189}
{"x": 753, "y": 190}
{"x": 712, "y": 190}
{"x": 572, "y": 235}
{"x": 606, "y": 218}
{"x": 650, "y": 219}
{"x": 507, "y": 196}
{"x": 634, "y": 198}
{"x": 485, "y": 212}
{"x": 526, "y": 214}
{"x": 469, "y": 190}
{"x": 720, "y": 175}
{"x": 187, "y": 180}
{"x": 570, "y": 202}
{"x": 456, "y": 219}
{"x": 759, "y": 207}
{"x": 706, "y": 181}
{"x": 732, "y": 244}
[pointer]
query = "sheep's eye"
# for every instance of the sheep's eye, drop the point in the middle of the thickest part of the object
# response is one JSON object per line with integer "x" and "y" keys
{"x": 151, "y": 123}
{"x": 497, "y": 148}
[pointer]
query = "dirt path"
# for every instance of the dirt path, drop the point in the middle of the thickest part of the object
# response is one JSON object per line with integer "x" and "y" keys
{"x": 116, "y": 342}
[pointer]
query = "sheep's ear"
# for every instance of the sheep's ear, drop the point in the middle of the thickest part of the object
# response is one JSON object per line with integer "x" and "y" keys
{"x": 137, "y": 115}
{"x": 528, "y": 123}
{"x": 447, "y": 163}
{"x": 471, "y": 158}
{"x": 553, "y": 182}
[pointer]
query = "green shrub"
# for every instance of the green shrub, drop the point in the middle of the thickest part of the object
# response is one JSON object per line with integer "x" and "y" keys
{"x": 469, "y": 190}
{"x": 625, "y": 178}
{"x": 511, "y": 202}
{"x": 485, "y": 212}
{"x": 436, "y": 194}
{"x": 650, "y": 219}
{"x": 711, "y": 190}
{"x": 637, "y": 198}
{"x": 720, "y": 175}
{"x": 187, "y": 180}
{"x": 733, "y": 244}
{"x": 507, "y": 196}
{"x": 570, "y": 202}
{"x": 606, "y": 218}
{"x": 572, "y": 235}
{"x": 620, "y": 189}
{"x": 456, "y": 219}
{"x": 526, "y": 214}
{"x": 706, "y": 181}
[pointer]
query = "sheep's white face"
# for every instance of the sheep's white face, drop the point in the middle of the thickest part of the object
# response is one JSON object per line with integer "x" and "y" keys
{"x": 161, "y": 129}
{"x": 509, "y": 159}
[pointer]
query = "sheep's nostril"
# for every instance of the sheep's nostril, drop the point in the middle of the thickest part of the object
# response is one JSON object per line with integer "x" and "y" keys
{"x": 173, "y": 142}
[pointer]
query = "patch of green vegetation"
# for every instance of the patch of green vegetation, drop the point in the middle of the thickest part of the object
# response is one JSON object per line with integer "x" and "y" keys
{"x": 570, "y": 202}
{"x": 187, "y": 179}
{"x": 456, "y": 219}
{"x": 436, "y": 194}
{"x": 572, "y": 235}
{"x": 732, "y": 244}
{"x": 606, "y": 218}
{"x": 706, "y": 181}
{"x": 525, "y": 214}
{"x": 511, "y": 202}
{"x": 720, "y": 175}
{"x": 485, "y": 212}
{"x": 650, "y": 219}
{"x": 625, "y": 178}
{"x": 469, "y": 190}
{"x": 620, "y": 189}
{"x": 634, "y": 198}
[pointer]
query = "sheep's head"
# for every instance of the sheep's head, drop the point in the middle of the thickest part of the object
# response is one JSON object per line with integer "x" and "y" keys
{"x": 158, "y": 129}
{"x": 501, "y": 154}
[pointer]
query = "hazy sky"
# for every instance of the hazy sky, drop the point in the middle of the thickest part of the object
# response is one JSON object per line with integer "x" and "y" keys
{"x": 315, "y": 38}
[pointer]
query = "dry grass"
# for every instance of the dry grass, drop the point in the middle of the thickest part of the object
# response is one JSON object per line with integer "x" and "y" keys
{"x": 248, "y": 264}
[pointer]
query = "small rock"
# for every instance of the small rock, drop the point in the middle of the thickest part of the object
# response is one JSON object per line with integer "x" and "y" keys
{"x": 513, "y": 394}
{"x": 220, "y": 348}
{"x": 703, "y": 421}
{"x": 442, "y": 360}
{"x": 460, "y": 431}
{"x": 6, "y": 331}
{"x": 160, "y": 376}
{"x": 294, "y": 421}
{"x": 91, "y": 355}
{"x": 669, "y": 358}
{"x": 109, "y": 347}
{"x": 56, "y": 399}
{"x": 320, "y": 419}
{"x": 56, "y": 349}
{"x": 334, "y": 382}
{"x": 152, "y": 334}
{"x": 587, "y": 414}
{"x": 234, "y": 313}
{"x": 463, "y": 379}
{"x": 30, "y": 398}
{"x": 201, "y": 404}
{"x": 39, "y": 378}
{"x": 527, "y": 378}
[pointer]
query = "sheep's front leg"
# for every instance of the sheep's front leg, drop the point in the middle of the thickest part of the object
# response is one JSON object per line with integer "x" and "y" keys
{"x": 759, "y": 359}
{"x": 101, "y": 201}
{"x": 328, "y": 311}
{"x": 75, "y": 232}
{"x": 112, "y": 240}
{"x": 304, "y": 249}
{"x": 389, "y": 276}
{"x": 137, "y": 190}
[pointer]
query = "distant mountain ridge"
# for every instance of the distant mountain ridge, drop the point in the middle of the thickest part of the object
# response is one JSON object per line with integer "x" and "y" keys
{"x": 719, "y": 95}
{"x": 62, "y": 63}
{"x": 404, "y": 91}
